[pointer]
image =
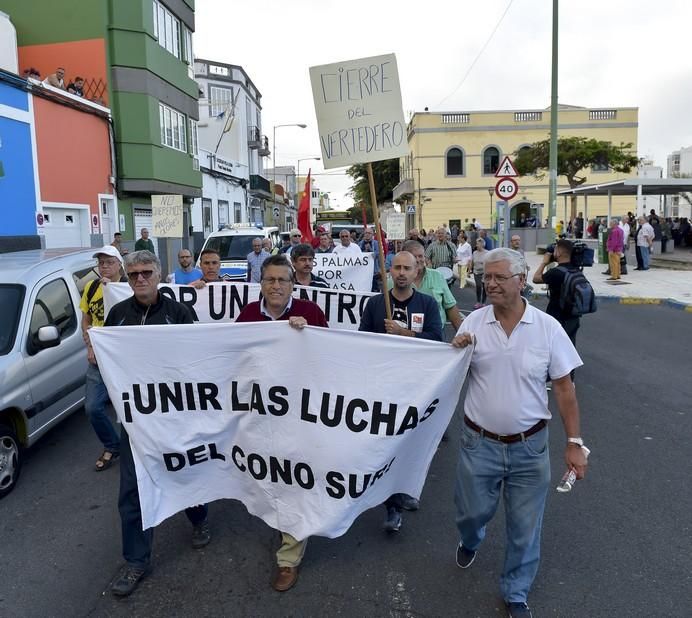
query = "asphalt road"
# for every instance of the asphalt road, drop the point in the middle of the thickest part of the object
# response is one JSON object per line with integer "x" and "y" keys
{"x": 618, "y": 545}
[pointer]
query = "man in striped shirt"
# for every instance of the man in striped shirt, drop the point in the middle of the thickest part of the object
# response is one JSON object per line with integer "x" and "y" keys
{"x": 441, "y": 252}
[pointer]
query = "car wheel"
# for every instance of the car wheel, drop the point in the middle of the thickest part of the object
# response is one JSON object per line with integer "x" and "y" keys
{"x": 10, "y": 460}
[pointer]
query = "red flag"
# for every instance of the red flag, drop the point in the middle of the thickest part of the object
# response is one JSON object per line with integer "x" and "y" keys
{"x": 304, "y": 213}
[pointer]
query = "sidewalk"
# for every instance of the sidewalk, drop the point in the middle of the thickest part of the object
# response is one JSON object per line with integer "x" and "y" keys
{"x": 655, "y": 286}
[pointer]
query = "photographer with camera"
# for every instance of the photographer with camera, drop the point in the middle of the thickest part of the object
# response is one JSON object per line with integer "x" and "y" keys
{"x": 554, "y": 278}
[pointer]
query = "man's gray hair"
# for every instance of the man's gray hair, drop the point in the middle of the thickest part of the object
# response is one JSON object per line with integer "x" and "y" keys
{"x": 410, "y": 244}
{"x": 517, "y": 264}
{"x": 142, "y": 257}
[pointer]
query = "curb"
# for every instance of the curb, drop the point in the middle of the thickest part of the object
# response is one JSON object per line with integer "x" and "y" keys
{"x": 631, "y": 300}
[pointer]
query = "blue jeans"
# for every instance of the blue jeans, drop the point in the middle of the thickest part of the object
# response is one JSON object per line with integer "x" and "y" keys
{"x": 646, "y": 257}
{"x": 137, "y": 543}
{"x": 520, "y": 470}
{"x": 95, "y": 407}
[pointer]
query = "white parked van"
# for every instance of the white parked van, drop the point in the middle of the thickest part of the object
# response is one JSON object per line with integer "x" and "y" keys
{"x": 233, "y": 243}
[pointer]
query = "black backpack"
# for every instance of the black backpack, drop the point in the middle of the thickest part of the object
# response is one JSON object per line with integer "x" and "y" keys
{"x": 576, "y": 294}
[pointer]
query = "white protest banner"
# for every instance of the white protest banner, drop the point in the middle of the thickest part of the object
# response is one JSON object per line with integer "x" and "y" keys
{"x": 307, "y": 445}
{"x": 396, "y": 226}
{"x": 359, "y": 114}
{"x": 222, "y": 302}
{"x": 167, "y": 216}
{"x": 345, "y": 271}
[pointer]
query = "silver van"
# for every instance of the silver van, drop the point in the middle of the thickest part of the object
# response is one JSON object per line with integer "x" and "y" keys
{"x": 42, "y": 354}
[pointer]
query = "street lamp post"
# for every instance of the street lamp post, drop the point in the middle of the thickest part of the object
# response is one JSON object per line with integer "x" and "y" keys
{"x": 491, "y": 190}
{"x": 278, "y": 126}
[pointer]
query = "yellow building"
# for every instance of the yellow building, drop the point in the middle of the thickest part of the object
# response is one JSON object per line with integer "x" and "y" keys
{"x": 449, "y": 175}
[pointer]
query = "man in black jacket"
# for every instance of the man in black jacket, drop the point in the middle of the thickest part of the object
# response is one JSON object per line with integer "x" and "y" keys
{"x": 147, "y": 306}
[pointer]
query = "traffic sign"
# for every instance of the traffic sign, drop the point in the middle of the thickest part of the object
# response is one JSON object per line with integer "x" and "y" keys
{"x": 506, "y": 169}
{"x": 411, "y": 209}
{"x": 506, "y": 188}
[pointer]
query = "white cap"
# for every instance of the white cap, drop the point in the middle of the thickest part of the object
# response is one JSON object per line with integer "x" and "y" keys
{"x": 110, "y": 251}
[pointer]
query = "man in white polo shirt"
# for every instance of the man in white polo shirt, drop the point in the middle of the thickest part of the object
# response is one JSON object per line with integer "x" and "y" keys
{"x": 346, "y": 247}
{"x": 504, "y": 445}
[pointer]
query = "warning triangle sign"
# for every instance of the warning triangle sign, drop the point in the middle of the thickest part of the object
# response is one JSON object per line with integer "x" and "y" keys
{"x": 506, "y": 169}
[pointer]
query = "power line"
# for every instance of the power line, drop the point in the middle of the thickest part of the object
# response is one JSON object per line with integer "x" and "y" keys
{"x": 480, "y": 53}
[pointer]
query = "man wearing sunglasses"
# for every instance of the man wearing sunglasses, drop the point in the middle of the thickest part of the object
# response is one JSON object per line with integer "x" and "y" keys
{"x": 277, "y": 281}
{"x": 146, "y": 306}
{"x": 294, "y": 240}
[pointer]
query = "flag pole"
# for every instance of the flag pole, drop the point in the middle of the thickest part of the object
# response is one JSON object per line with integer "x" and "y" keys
{"x": 378, "y": 229}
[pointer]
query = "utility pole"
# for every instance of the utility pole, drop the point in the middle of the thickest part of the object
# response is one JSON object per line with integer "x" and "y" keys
{"x": 552, "y": 160}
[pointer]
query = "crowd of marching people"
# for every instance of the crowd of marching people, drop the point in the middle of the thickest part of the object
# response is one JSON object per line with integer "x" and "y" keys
{"x": 416, "y": 303}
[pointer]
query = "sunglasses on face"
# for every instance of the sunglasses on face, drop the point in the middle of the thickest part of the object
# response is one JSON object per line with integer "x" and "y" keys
{"x": 133, "y": 276}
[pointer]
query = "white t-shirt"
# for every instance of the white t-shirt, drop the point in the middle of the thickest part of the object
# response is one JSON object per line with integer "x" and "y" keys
{"x": 506, "y": 392}
{"x": 352, "y": 248}
{"x": 645, "y": 232}
{"x": 464, "y": 253}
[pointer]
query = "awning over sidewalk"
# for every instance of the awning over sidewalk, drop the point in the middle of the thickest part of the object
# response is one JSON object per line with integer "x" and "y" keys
{"x": 634, "y": 186}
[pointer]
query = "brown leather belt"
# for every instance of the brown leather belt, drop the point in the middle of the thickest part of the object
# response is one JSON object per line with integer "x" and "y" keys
{"x": 515, "y": 437}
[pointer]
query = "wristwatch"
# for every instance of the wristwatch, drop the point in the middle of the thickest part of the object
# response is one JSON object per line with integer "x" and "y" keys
{"x": 577, "y": 441}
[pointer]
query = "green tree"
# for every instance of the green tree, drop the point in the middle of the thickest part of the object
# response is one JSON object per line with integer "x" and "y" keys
{"x": 575, "y": 154}
{"x": 386, "y": 176}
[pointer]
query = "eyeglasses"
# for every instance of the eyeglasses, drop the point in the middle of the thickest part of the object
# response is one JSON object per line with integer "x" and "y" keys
{"x": 133, "y": 276}
{"x": 499, "y": 279}
{"x": 280, "y": 280}
{"x": 111, "y": 262}
{"x": 295, "y": 235}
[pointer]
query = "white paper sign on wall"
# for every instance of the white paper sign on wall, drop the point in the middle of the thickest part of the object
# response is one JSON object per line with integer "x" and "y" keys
{"x": 359, "y": 114}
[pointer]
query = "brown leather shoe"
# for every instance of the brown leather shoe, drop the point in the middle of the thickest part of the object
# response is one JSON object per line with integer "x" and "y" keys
{"x": 285, "y": 578}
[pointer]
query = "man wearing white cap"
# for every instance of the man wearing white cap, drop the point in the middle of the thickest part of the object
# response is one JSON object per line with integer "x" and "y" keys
{"x": 109, "y": 269}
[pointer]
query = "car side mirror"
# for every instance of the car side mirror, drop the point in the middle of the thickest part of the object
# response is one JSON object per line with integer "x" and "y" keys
{"x": 47, "y": 337}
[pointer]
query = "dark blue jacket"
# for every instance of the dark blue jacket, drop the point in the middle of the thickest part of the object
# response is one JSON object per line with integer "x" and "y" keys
{"x": 372, "y": 320}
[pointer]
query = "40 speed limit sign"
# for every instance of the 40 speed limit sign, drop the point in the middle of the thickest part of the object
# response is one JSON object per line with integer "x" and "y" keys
{"x": 506, "y": 188}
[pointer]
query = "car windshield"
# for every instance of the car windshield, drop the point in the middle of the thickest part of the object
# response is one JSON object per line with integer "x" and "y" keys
{"x": 11, "y": 297}
{"x": 231, "y": 247}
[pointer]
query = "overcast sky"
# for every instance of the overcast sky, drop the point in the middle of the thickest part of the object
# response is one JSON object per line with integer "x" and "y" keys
{"x": 613, "y": 53}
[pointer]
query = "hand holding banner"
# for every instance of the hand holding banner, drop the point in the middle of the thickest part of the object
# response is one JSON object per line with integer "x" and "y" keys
{"x": 210, "y": 416}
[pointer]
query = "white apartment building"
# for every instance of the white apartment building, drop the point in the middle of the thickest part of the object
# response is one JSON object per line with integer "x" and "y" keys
{"x": 647, "y": 169}
{"x": 232, "y": 149}
{"x": 679, "y": 166}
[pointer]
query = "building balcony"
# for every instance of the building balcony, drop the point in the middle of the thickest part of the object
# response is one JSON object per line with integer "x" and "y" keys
{"x": 404, "y": 189}
{"x": 264, "y": 148}
{"x": 260, "y": 186}
{"x": 254, "y": 138}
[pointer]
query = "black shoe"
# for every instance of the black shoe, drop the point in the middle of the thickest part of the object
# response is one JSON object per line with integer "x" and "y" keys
{"x": 465, "y": 557}
{"x": 393, "y": 521}
{"x": 518, "y": 610}
{"x": 605, "y": 272}
{"x": 201, "y": 535}
{"x": 128, "y": 579}
{"x": 408, "y": 503}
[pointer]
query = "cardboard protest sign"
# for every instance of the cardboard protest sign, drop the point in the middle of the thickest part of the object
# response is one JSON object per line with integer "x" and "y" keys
{"x": 222, "y": 302}
{"x": 167, "y": 216}
{"x": 396, "y": 226}
{"x": 359, "y": 113}
{"x": 305, "y": 445}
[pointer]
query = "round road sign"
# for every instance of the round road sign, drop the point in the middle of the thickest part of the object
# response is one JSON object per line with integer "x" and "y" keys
{"x": 506, "y": 188}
